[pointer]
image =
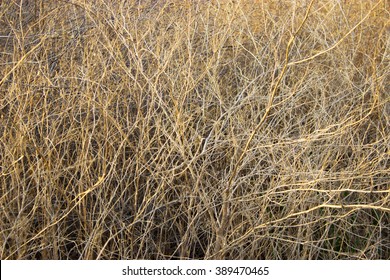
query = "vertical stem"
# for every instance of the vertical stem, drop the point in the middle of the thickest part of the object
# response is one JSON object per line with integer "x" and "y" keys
{"x": 219, "y": 250}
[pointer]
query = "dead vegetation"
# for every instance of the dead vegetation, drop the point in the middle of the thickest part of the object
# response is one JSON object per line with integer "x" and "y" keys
{"x": 194, "y": 129}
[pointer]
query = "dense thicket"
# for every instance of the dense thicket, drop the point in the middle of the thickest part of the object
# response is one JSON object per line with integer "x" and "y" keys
{"x": 194, "y": 129}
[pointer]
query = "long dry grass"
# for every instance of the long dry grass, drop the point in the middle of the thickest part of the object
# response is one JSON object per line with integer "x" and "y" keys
{"x": 194, "y": 129}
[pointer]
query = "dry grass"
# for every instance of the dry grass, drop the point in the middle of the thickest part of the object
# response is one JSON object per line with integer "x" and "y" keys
{"x": 194, "y": 129}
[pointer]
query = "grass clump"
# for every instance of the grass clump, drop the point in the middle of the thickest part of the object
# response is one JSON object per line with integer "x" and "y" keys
{"x": 194, "y": 129}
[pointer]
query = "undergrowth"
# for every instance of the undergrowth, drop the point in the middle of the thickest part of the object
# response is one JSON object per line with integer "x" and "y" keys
{"x": 194, "y": 129}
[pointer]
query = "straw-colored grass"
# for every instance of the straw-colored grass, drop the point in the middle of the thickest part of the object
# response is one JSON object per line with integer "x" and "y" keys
{"x": 194, "y": 129}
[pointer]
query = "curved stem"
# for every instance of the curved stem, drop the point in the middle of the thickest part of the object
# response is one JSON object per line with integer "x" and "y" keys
{"x": 224, "y": 214}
